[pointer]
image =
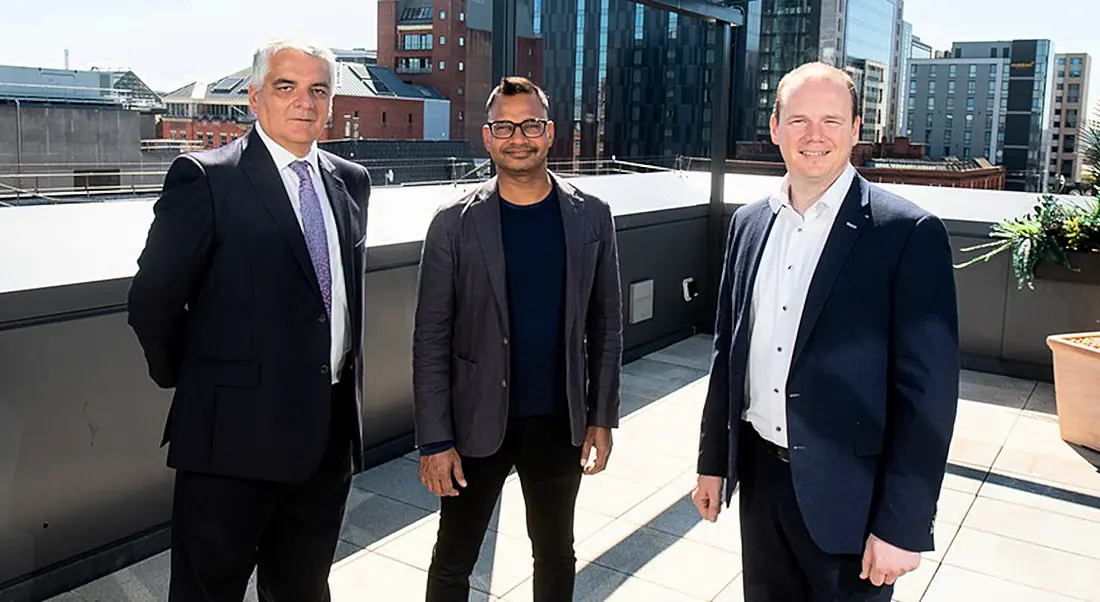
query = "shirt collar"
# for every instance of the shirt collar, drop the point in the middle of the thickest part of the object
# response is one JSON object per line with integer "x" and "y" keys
{"x": 830, "y": 199}
{"x": 282, "y": 157}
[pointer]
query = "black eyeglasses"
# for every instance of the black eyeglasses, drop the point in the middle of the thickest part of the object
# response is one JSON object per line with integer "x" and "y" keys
{"x": 532, "y": 128}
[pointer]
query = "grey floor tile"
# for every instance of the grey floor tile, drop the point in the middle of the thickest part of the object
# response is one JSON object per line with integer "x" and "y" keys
{"x": 734, "y": 592}
{"x": 671, "y": 511}
{"x": 144, "y": 581}
{"x": 944, "y": 534}
{"x": 599, "y": 584}
{"x": 954, "y": 584}
{"x": 398, "y": 480}
{"x": 1071, "y": 474}
{"x": 1025, "y": 563}
{"x": 692, "y": 568}
{"x": 1040, "y": 527}
{"x": 911, "y": 586}
{"x": 510, "y": 516}
{"x": 1043, "y": 495}
{"x": 953, "y": 506}
{"x": 66, "y": 597}
{"x": 372, "y": 577}
{"x": 611, "y": 496}
{"x": 371, "y": 517}
{"x": 344, "y": 551}
{"x": 1042, "y": 400}
{"x": 995, "y": 389}
{"x": 984, "y": 423}
{"x": 504, "y": 562}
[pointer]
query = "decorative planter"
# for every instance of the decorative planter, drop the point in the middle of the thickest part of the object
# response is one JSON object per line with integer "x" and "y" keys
{"x": 1077, "y": 386}
{"x": 1086, "y": 269}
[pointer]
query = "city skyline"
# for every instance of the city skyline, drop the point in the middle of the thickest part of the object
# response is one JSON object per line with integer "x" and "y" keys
{"x": 163, "y": 42}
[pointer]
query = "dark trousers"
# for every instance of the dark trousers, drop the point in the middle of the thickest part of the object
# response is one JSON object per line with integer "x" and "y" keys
{"x": 780, "y": 560}
{"x": 223, "y": 528}
{"x": 549, "y": 470}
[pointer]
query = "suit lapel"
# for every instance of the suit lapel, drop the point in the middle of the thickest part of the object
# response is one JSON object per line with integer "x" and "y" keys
{"x": 572, "y": 221}
{"x": 260, "y": 170}
{"x": 486, "y": 215}
{"x": 853, "y": 217}
{"x": 758, "y": 226}
{"x": 340, "y": 201}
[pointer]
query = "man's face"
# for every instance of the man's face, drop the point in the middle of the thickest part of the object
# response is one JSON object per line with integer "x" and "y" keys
{"x": 524, "y": 148}
{"x": 295, "y": 100}
{"x": 815, "y": 131}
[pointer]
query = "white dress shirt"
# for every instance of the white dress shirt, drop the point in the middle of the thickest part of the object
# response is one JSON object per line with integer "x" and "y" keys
{"x": 787, "y": 266}
{"x": 341, "y": 342}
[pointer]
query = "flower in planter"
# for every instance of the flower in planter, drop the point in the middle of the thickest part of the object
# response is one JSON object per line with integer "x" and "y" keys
{"x": 1048, "y": 234}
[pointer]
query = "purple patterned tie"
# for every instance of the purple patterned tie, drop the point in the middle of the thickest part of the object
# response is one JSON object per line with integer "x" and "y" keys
{"x": 313, "y": 226}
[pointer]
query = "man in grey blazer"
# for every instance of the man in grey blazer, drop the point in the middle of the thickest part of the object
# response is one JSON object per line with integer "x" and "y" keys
{"x": 517, "y": 349}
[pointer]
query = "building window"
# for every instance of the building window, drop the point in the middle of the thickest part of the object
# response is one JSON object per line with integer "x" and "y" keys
{"x": 442, "y": 65}
{"x": 461, "y": 16}
{"x": 931, "y": 104}
{"x": 1071, "y": 118}
{"x": 1073, "y": 96}
{"x": 461, "y": 66}
{"x": 442, "y": 40}
{"x": 442, "y": 15}
{"x": 383, "y": 117}
{"x": 973, "y": 71}
{"x": 461, "y": 40}
{"x": 932, "y": 88}
{"x": 992, "y": 70}
{"x": 952, "y": 71}
{"x": 461, "y": 116}
{"x": 951, "y": 87}
{"x": 928, "y": 120}
{"x": 461, "y": 91}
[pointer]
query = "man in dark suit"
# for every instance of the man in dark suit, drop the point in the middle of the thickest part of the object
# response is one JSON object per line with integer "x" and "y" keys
{"x": 834, "y": 380}
{"x": 248, "y": 301}
{"x": 517, "y": 349}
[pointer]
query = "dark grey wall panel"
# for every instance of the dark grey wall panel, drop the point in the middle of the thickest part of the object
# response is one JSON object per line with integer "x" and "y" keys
{"x": 388, "y": 321}
{"x": 980, "y": 291}
{"x": 80, "y": 432}
{"x": 1053, "y": 307}
{"x": 666, "y": 253}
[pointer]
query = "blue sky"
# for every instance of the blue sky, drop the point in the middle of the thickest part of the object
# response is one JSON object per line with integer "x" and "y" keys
{"x": 170, "y": 43}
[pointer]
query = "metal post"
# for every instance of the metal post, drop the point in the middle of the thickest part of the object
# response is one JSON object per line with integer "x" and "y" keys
{"x": 719, "y": 146}
{"x": 504, "y": 39}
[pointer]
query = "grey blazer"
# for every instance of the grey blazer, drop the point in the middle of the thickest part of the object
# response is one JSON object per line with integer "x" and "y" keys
{"x": 461, "y": 361}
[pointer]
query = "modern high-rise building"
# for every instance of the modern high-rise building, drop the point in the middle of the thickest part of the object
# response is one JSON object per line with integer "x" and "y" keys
{"x": 847, "y": 35}
{"x": 447, "y": 45}
{"x": 631, "y": 81}
{"x": 985, "y": 99}
{"x": 912, "y": 48}
{"x": 1069, "y": 113}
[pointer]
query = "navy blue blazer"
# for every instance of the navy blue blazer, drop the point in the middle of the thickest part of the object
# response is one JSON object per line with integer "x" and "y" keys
{"x": 873, "y": 384}
{"x": 228, "y": 311}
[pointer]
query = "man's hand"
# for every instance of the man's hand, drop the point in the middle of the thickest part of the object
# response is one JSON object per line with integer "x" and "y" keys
{"x": 436, "y": 471}
{"x": 884, "y": 563}
{"x": 598, "y": 438}
{"x": 708, "y": 497}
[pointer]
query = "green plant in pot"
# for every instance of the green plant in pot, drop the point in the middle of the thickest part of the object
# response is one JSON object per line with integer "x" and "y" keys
{"x": 1060, "y": 241}
{"x": 1058, "y": 233}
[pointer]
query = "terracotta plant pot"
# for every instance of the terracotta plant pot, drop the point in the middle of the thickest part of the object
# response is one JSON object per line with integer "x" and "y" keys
{"x": 1077, "y": 386}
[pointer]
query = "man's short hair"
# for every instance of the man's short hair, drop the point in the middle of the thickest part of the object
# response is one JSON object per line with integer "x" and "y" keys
{"x": 816, "y": 70}
{"x": 511, "y": 86}
{"x": 261, "y": 59}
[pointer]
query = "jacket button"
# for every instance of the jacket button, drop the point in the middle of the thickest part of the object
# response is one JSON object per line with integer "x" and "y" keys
{"x": 506, "y": 341}
{"x": 322, "y": 318}
{"x": 324, "y": 369}
{"x": 503, "y": 384}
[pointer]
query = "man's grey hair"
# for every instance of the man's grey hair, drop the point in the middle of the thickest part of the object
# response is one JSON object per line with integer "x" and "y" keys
{"x": 261, "y": 60}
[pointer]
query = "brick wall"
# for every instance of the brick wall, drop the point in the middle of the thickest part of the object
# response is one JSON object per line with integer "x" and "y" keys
{"x": 379, "y": 118}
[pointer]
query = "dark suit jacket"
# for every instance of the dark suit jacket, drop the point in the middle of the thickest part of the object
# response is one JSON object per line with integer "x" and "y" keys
{"x": 228, "y": 310}
{"x": 460, "y": 347}
{"x": 873, "y": 383}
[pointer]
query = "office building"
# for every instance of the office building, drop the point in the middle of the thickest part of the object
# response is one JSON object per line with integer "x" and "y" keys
{"x": 985, "y": 99}
{"x": 447, "y": 45}
{"x": 1069, "y": 113}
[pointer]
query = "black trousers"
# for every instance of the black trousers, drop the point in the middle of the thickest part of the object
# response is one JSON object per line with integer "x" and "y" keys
{"x": 223, "y": 528}
{"x": 549, "y": 470}
{"x": 781, "y": 562}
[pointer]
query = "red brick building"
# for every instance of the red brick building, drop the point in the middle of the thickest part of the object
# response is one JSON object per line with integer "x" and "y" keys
{"x": 369, "y": 102}
{"x": 895, "y": 162}
{"x": 447, "y": 45}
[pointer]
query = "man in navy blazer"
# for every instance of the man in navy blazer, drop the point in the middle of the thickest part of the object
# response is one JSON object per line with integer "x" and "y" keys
{"x": 834, "y": 381}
